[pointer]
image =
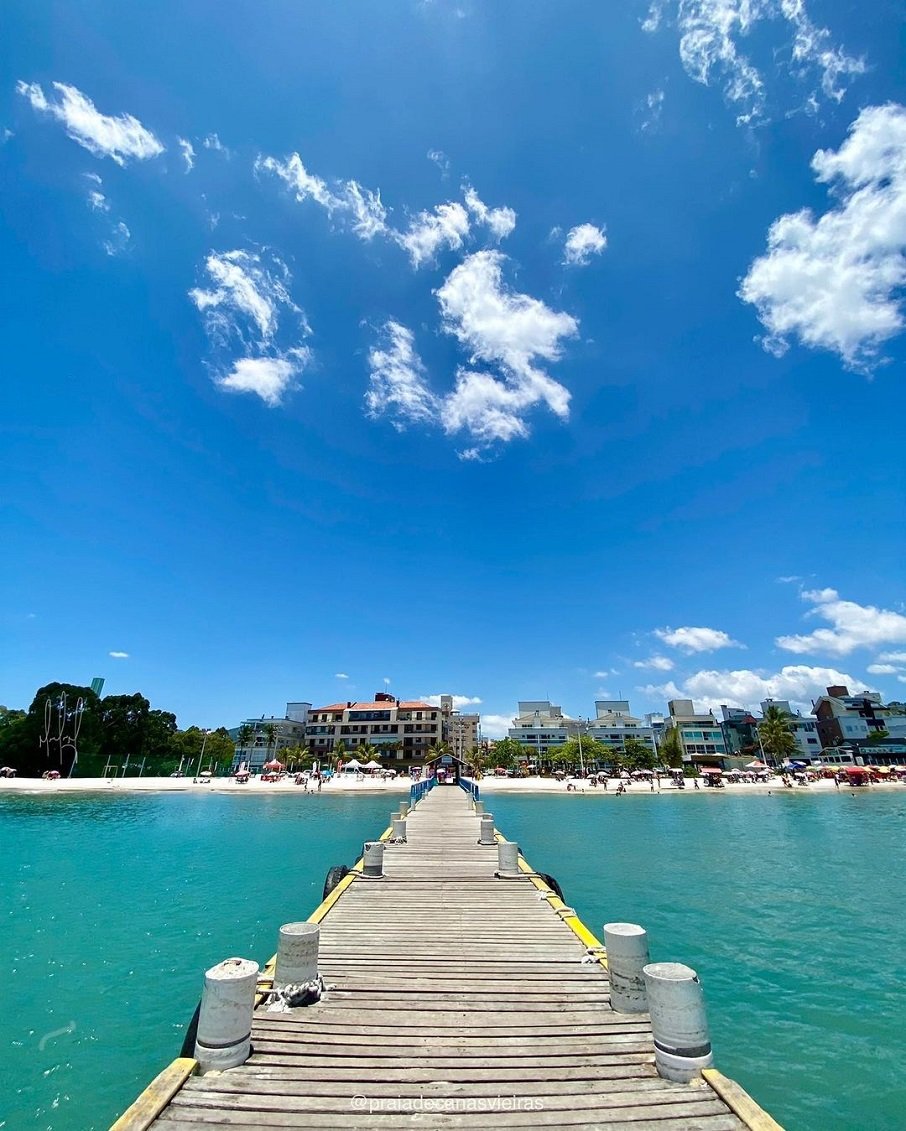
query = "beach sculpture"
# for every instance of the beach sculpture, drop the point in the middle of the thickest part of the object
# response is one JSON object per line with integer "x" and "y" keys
{"x": 57, "y": 717}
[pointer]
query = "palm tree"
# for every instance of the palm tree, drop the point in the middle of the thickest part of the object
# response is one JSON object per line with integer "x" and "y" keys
{"x": 244, "y": 740}
{"x": 270, "y": 733}
{"x": 776, "y": 734}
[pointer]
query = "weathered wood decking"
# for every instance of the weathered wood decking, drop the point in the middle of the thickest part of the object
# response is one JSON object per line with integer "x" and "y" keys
{"x": 461, "y": 1001}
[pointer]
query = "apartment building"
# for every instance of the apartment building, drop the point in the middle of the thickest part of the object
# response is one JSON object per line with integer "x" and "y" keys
{"x": 541, "y": 726}
{"x": 842, "y": 717}
{"x": 270, "y": 736}
{"x": 402, "y": 730}
{"x": 700, "y": 735}
{"x": 460, "y": 730}
{"x": 614, "y": 723}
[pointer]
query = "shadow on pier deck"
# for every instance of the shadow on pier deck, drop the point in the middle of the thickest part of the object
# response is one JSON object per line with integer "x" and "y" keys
{"x": 461, "y": 1000}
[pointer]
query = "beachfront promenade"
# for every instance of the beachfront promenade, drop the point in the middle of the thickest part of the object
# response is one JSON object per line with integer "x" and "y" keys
{"x": 456, "y": 999}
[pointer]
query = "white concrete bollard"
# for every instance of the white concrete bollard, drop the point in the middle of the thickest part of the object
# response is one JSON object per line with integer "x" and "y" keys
{"x": 404, "y": 809}
{"x": 223, "y": 1037}
{"x": 479, "y": 808}
{"x": 297, "y": 954}
{"x": 373, "y": 862}
{"x": 399, "y": 828}
{"x": 486, "y": 835}
{"x": 627, "y": 956}
{"x": 507, "y": 858}
{"x": 682, "y": 1045}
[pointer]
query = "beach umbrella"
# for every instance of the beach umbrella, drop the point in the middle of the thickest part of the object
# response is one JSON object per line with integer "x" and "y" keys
{"x": 372, "y": 765}
{"x": 710, "y": 770}
{"x": 756, "y": 765}
{"x": 353, "y": 764}
{"x": 273, "y": 765}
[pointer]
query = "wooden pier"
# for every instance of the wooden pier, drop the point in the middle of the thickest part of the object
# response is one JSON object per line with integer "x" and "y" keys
{"x": 456, "y": 999}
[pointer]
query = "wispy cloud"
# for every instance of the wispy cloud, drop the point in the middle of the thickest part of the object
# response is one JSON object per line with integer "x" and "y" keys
{"x": 359, "y": 207}
{"x": 655, "y": 663}
{"x": 243, "y": 307}
{"x": 341, "y": 675}
{"x": 428, "y": 232}
{"x": 121, "y": 137}
{"x": 459, "y": 701}
{"x": 188, "y": 153}
{"x": 440, "y": 159}
{"x": 397, "y": 387}
{"x": 215, "y": 145}
{"x": 582, "y": 242}
{"x": 119, "y": 655}
{"x": 710, "y": 33}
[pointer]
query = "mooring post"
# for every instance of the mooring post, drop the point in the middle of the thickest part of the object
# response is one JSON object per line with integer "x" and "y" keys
{"x": 373, "y": 859}
{"x": 682, "y": 1045}
{"x": 627, "y": 956}
{"x": 223, "y": 1038}
{"x": 479, "y": 808}
{"x": 399, "y": 828}
{"x": 404, "y": 809}
{"x": 297, "y": 954}
{"x": 486, "y": 834}
{"x": 507, "y": 858}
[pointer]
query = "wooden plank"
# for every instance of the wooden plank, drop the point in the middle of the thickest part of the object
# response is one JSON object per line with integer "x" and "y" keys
{"x": 143, "y": 1112}
{"x": 739, "y": 1101}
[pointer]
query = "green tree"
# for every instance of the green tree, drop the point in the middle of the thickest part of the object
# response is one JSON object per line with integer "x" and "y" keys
{"x": 31, "y": 749}
{"x": 507, "y": 752}
{"x": 671, "y": 750}
{"x": 270, "y": 735}
{"x": 638, "y": 755}
{"x": 573, "y": 753}
{"x": 776, "y": 734}
{"x": 878, "y": 736}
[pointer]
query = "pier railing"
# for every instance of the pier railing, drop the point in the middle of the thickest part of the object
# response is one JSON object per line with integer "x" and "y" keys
{"x": 471, "y": 788}
{"x": 418, "y": 790}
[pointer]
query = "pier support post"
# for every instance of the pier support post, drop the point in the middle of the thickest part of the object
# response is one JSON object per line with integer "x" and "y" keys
{"x": 682, "y": 1045}
{"x": 627, "y": 956}
{"x": 297, "y": 954}
{"x": 404, "y": 809}
{"x": 373, "y": 859}
{"x": 507, "y": 858}
{"x": 399, "y": 828}
{"x": 223, "y": 1038}
{"x": 486, "y": 835}
{"x": 479, "y": 808}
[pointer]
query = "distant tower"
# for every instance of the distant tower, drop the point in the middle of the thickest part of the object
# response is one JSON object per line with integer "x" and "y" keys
{"x": 97, "y": 685}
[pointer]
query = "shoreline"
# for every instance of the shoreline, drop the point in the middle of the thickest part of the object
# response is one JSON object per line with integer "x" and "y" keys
{"x": 487, "y": 785}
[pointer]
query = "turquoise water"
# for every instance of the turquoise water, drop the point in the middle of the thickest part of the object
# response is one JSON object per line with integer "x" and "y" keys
{"x": 790, "y": 907}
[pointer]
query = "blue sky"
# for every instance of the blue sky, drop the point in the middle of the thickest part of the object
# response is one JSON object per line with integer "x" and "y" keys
{"x": 520, "y": 350}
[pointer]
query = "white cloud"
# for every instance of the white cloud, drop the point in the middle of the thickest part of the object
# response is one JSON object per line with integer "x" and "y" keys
{"x": 506, "y": 329}
{"x": 244, "y": 289}
{"x": 836, "y": 283}
{"x": 655, "y": 663}
{"x": 582, "y": 242}
{"x": 652, "y": 110}
{"x": 441, "y": 160}
{"x": 798, "y": 683}
{"x": 118, "y": 241}
{"x": 499, "y": 221}
{"x": 97, "y": 201}
{"x": 854, "y": 626}
{"x": 188, "y": 153}
{"x": 495, "y": 726}
{"x": 459, "y": 701}
{"x": 213, "y": 142}
{"x": 341, "y": 675}
{"x": 883, "y": 669}
{"x": 6, "y": 135}
{"x": 428, "y": 232}
{"x": 893, "y": 657}
{"x": 119, "y": 655}
{"x": 711, "y": 30}
{"x": 269, "y": 377}
{"x": 396, "y": 385}
{"x": 118, "y": 138}
{"x": 386, "y": 680}
{"x": 360, "y": 206}
{"x": 691, "y": 639}
{"x": 248, "y": 299}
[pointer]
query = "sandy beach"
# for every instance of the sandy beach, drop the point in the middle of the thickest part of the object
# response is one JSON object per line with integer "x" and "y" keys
{"x": 397, "y": 786}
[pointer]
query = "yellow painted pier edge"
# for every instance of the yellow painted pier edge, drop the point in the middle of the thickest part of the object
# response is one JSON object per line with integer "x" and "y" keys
{"x": 153, "y": 1100}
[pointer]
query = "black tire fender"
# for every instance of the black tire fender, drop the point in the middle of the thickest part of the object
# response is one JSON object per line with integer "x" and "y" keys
{"x": 552, "y": 884}
{"x": 334, "y": 876}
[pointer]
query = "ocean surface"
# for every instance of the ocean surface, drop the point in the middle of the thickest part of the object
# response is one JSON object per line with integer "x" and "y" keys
{"x": 791, "y": 908}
